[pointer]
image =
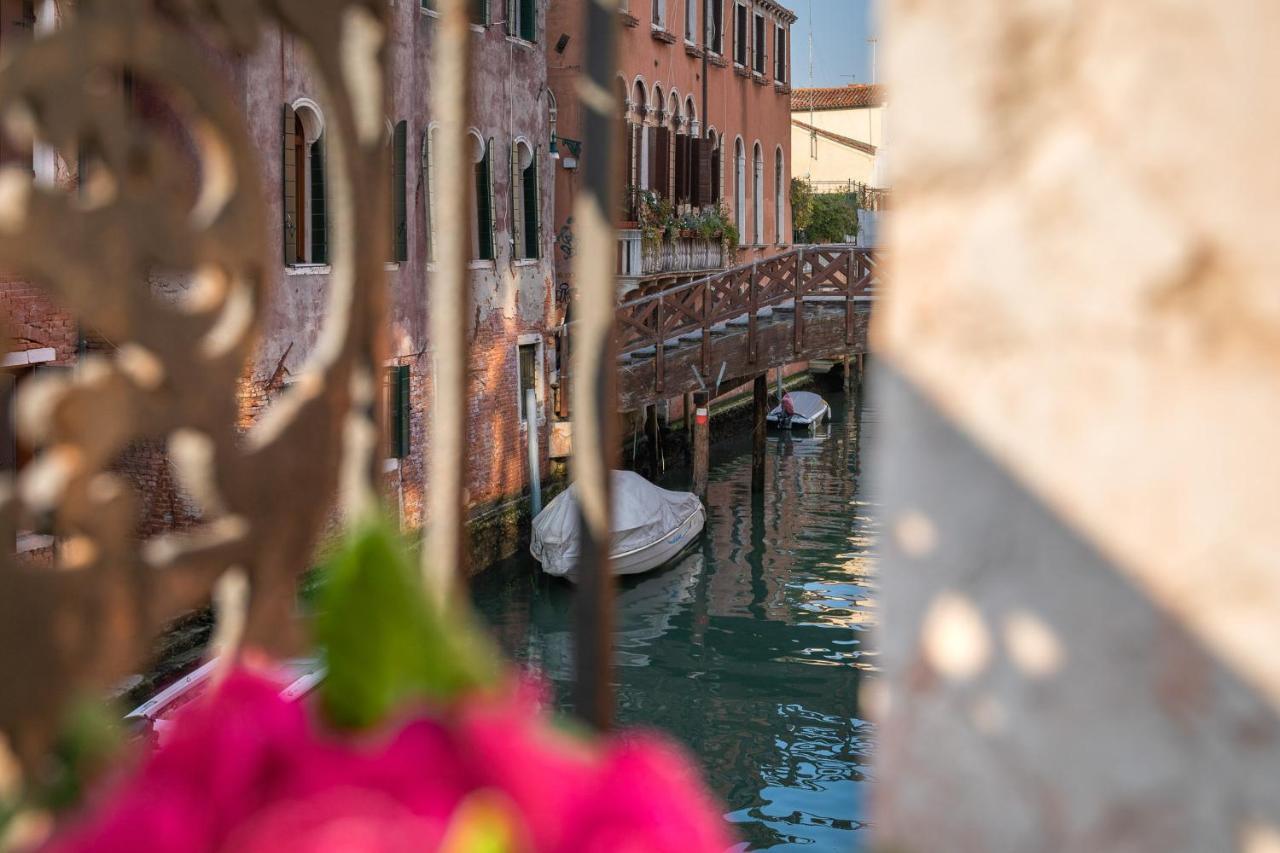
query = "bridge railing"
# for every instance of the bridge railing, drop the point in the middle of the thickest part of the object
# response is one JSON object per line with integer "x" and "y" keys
{"x": 807, "y": 274}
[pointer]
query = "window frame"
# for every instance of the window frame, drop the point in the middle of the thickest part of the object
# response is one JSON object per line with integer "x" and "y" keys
{"x": 535, "y": 341}
{"x": 741, "y": 36}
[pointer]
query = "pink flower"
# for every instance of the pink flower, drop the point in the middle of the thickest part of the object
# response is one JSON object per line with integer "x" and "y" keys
{"x": 246, "y": 770}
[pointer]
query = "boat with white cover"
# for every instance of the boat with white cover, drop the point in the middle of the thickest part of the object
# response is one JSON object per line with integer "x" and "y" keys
{"x": 650, "y": 526}
{"x": 811, "y": 410}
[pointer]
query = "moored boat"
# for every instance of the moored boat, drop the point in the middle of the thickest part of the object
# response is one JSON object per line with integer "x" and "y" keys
{"x": 810, "y": 411}
{"x": 650, "y": 526}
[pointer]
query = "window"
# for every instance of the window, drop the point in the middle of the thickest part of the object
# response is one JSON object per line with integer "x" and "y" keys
{"x": 715, "y": 144}
{"x": 303, "y": 173}
{"x": 691, "y": 20}
{"x": 428, "y": 5}
{"x": 525, "y": 230}
{"x": 757, "y": 45}
{"x": 484, "y": 225}
{"x": 780, "y": 54}
{"x": 740, "y": 35}
{"x": 522, "y": 19}
{"x": 757, "y": 196}
{"x": 715, "y": 26}
{"x": 399, "y": 202}
{"x": 660, "y": 13}
{"x": 529, "y": 370}
{"x": 778, "y": 183}
{"x": 480, "y": 12}
{"x": 739, "y": 190}
{"x": 396, "y": 396}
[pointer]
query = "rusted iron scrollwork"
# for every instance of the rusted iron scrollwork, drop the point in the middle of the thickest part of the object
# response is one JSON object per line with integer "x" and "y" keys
{"x": 264, "y": 495}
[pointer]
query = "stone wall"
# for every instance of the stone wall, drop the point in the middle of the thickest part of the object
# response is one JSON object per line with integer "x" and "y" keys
{"x": 1079, "y": 395}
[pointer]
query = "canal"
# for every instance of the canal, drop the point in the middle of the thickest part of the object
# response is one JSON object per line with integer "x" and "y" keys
{"x": 751, "y": 649}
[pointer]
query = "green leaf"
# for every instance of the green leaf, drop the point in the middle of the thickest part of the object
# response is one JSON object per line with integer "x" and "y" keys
{"x": 383, "y": 642}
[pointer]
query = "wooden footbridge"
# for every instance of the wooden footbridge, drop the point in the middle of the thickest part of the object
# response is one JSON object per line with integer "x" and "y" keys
{"x": 810, "y": 303}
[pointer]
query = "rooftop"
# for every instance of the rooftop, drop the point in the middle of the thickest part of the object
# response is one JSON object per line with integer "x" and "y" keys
{"x": 852, "y": 97}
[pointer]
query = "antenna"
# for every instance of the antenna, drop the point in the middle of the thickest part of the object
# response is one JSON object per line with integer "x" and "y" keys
{"x": 873, "y": 41}
{"x": 813, "y": 128}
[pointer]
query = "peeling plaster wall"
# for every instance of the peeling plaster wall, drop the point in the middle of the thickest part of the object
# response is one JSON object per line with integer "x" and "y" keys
{"x": 511, "y": 298}
{"x": 1080, "y": 386}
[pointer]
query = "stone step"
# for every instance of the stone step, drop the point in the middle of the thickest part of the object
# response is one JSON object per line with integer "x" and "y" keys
{"x": 740, "y": 320}
{"x": 719, "y": 329}
{"x": 786, "y": 307}
{"x": 692, "y": 337}
{"x": 765, "y": 313}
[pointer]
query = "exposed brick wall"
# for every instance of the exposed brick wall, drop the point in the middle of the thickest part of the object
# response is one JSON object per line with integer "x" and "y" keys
{"x": 33, "y": 321}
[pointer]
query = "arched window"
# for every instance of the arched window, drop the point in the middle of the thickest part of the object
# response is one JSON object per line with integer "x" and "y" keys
{"x": 779, "y": 208}
{"x": 303, "y": 173}
{"x": 482, "y": 244}
{"x": 399, "y": 201}
{"x": 757, "y": 195}
{"x": 525, "y": 212}
{"x": 716, "y": 145}
{"x": 740, "y": 190}
{"x": 641, "y": 150}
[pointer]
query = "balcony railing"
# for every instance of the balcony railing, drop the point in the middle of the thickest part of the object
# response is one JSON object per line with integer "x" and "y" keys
{"x": 638, "y": 258}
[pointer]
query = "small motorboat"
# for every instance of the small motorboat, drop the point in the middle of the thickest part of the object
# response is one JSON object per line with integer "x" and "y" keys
{"x": 810, "y": 411}
{"x": 153, "y": 718}
{"x": 650, "y": 526}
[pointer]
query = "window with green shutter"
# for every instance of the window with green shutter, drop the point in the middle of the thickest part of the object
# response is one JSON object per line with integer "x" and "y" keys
{"x": 397, "y": 392}
{"x": 480, "y": 12}
{"x": 528, "y": 19}
{"x": 289, "y": 175}
{"x": 529, "y": 185}
{"x": 399, "y": 203}
{"x": 319, "y": 234}
{"x": 528, "y": 354}
{"x": 484, "y": 204}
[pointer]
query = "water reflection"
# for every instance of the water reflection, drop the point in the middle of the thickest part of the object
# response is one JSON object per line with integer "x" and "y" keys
{"x": 751, "y": 649}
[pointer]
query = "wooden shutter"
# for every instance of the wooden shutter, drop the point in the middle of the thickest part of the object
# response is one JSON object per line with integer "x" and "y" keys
{"x": 662, "y": 170}
{"x": 319, "y": 216}
{"x": 484, "y": 202}
{"x": 517, "y": 201}
{"x": 680, "y": 164}
{"x": 528, "y": 20}
{"x": 702, "y": 172}
{"x": 740, "y": 35}
{"x": 716, "y": 159}
{"x": 289, "y": 174}
{"x": 398, "y": 397}
{"x": 532, "y": 209}
{"x": 399, "y": 200}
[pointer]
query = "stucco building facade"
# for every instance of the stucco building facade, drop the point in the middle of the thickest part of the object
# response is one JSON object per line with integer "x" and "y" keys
{"x": 280, "y": 97}
{"x": 837, "y": 135}
{"x": 704, "y": 94}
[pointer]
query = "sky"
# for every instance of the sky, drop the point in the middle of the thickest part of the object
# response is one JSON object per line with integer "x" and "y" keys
{"x": 841, "y": 54}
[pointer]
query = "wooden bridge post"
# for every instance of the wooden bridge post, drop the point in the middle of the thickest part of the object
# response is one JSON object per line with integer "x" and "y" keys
{"x": 701, "y": 441}
{"x": 797, "y": 319}
{"x": 753, "y": 305}
{"x": 653, "y": 438}
{"x": 851, "y": 267}
{"x": 660, "y": 346}
{"x": 760, "y": 409}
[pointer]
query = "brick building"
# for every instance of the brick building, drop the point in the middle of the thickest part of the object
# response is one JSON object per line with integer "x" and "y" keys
{"x": 706, "y": 119}
{"x": 512, "y": 245}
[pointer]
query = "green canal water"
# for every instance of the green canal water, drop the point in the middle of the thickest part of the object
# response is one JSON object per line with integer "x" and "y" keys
{"x": 751, "y": 649}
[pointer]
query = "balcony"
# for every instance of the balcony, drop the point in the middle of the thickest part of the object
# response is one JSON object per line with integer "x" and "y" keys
{"x": 639, "y": 259}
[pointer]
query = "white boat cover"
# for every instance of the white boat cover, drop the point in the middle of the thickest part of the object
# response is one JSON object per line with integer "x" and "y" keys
{"x": 642, "y": 515}
{"x": 807, "y": 405}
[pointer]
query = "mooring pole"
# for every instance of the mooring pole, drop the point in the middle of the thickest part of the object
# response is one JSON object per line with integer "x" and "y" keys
{"x": 760, "y": 409}
{"x": 653, "y": 435}
{"x": 535, "y": 473}
{"x": 701, "y": 441}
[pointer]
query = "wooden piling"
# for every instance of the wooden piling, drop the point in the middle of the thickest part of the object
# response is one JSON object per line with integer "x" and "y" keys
{"x": 760, "y": 408}
{"x": 653, "y": 439}
{"x": 701, "y": 441}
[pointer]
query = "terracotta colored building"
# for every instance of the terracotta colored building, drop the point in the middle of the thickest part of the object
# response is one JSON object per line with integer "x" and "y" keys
{"x": 704, "y": 88}
{"x": 510, "y": 216}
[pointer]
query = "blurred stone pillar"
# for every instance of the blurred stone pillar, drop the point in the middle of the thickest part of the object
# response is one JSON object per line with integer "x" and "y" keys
{"x": 1079, "y": 464}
